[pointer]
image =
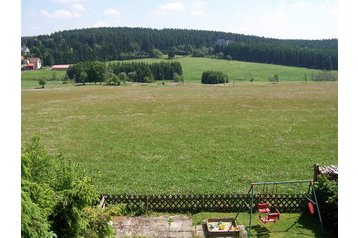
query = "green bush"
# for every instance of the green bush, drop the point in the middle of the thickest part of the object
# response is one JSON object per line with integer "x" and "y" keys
{"x": 178, "y": 78}
{"x": 54, "y": 195}
{"x": 87, "y": 72}
{"x": 327, "y": 196}
{"x": 98, "y": 223}
{"x": 214, "y": 77}
{"x": 112, "y": 79}
{"x": 42, "y": 83}
{"x": 273, "y": 79}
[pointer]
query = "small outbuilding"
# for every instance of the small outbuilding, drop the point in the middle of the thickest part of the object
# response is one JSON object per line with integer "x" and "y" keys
{"x": 60, "y": 67}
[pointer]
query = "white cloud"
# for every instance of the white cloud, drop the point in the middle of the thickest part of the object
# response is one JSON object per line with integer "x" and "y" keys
{"x": 198, "y": 13}
{"x": 100, "y": 24}
{"x": 74, "y": 11}
{"x": 299, "y": 4}
{"x": 275, "y": 18}
{"x": 169, "y": 7}
{"x": 112, "y": 12}
{"x": 198, "y": 8}
{"x": 172, "y": 6}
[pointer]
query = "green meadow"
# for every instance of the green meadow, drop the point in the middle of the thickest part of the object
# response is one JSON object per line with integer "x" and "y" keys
{"x": 193, "y": 68}
{"x": 238, "y": 70}
{"x": 189, "y": 138}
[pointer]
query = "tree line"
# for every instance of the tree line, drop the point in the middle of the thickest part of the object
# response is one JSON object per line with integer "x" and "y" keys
{"x": 120, "y": 43}
{"x": 114, "y": 73}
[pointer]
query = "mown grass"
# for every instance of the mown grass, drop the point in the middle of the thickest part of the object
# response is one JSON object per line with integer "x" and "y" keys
{"x": 290, "y": 225}
{"x": 190, "y": 138}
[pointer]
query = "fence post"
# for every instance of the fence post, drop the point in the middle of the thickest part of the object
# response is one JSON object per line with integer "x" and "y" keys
{"x": 202, "y": 202}
{"x": 315, "y": 172}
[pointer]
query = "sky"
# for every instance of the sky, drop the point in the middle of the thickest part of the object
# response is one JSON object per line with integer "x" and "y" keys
{"x": 284, "y": 19}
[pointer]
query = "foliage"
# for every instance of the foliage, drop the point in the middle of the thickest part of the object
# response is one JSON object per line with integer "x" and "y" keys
{"x": 87, "y": 72}
{"x": 327, "y": 196}
{"x": 273, "y": 79}
{"x": 214, "y": 77}
{"x": 178, "y": 78}
{"x": 42, "y": 83}
{"x": 122, "y": 43}
{"x": 147, "y": 72}
{"x": 228, "y": 57}
{"x": 116, "y": 209}
{"x": 156, "y": 53}
{"x": 112, "y": 79}
{"x": 323, "y": 75}
{"x": 171, "y": 54}
{"x": 53, "y": 195}
{"x": 134, "y": 210}
{"x": 122, "y": 76}
{"x": 132, "y": 76}
{"x": 98, "y": 223}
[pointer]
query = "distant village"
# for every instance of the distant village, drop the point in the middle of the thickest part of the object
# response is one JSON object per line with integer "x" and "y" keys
{"x": 35, "y": 63}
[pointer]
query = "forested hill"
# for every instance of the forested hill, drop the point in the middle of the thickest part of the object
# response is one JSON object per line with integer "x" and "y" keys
{"x": 118, "y": 43}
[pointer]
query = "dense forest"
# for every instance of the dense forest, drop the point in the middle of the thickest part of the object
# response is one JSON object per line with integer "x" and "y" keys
{"x": 121, "y": 43}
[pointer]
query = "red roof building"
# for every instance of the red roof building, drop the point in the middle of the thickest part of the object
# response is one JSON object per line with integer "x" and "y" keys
{"x": 60, "y": 67}
{"x": 30, "y": 66}
{"x": 36, "y": 63}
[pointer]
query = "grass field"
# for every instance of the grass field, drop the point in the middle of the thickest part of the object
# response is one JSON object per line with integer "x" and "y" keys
{"x": 190, "y": 138}
{"x": 193, "y": 68}
{"x": 237, "y": 70}
{"x": 29, "y": 78}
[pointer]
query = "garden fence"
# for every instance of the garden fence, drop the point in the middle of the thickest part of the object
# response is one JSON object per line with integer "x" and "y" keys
{"x": 209, "y": 202}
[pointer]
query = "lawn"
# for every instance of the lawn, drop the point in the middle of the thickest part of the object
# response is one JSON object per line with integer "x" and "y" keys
{"x": 188, "y": 138}
{"x": 290, "y": 225}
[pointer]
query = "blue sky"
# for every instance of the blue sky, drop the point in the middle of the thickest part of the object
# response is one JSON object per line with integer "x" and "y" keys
{"x": 290, "y": 19}
{"x": 303, "y": 19}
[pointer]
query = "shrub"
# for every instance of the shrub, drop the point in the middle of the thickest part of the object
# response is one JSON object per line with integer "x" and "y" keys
{"x": 171, "y": 54}
{"x": 327, "y": 196}
{"x": 178, "y": 78}
{"x": 273, "y": 79}
{"x": 214, "y": 77}
{"x": 228, "y": 57}
{"x": 122, "y": 76}
{"x": 112, "y": 79}
{"x": 54, "y": 196}
{"x": 42, "y": 83}
{"x": 132, "y": 76}
{"x": 98, "y": 223}
{"x": 115, "y": 209}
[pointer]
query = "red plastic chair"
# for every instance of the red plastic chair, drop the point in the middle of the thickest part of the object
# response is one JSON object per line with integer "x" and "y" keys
{"x": 310, "y": 206}
{"x": 263, "y": 208}
{"x": 271, "y": 217}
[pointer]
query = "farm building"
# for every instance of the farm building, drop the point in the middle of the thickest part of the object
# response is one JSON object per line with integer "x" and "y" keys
{"x": 32, "y": 64}
{"x": 60, "y": 67}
